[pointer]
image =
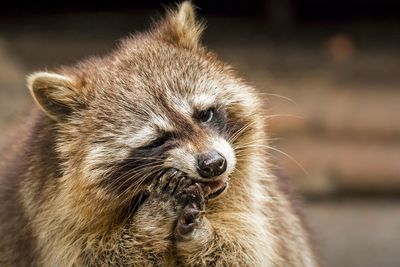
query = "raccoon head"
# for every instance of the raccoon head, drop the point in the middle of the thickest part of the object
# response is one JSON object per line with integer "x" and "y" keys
{"x": 159, "y": 101}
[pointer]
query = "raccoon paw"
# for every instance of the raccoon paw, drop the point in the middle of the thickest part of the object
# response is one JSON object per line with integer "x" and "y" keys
{"x": 168, "y": 188}
{"x": 192, "y": 212}
{"x": 166, "y": 185}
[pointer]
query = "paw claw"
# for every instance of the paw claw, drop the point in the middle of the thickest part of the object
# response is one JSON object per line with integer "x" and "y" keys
{"x": 190, "y": 214}
{"x": 172, "y": 184}
{"x": 185, "y": 229}
{"x": 207, "y": 190}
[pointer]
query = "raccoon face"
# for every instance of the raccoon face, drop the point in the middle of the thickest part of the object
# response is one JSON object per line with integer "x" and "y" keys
{"x": 160, "y": 101}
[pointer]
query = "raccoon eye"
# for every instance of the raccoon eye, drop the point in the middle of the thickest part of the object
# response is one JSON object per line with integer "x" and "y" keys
{"x": 161, "y": 140}
{"x": 158, "y": 142}
{"x": 206, "y": 115}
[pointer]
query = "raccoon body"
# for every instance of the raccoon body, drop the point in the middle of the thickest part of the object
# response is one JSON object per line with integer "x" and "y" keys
{"x": 154, "y": 155}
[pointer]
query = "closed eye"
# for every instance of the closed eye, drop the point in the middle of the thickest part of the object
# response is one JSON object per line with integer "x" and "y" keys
{"x": 160, "y": 141}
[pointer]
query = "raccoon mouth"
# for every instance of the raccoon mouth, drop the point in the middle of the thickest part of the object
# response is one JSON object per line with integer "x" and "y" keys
{"x": 215, "y": 188}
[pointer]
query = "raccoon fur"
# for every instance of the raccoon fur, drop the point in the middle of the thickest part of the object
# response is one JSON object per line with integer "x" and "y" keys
{"x": 153, "y": 155}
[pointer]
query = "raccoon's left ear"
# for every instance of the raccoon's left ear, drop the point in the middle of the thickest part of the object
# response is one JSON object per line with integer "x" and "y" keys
{"x": 54, "y": 93}
{"x": 180, "y": 27}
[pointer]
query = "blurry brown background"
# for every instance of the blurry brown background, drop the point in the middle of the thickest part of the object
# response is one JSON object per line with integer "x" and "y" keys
{"x": 330, "y": 72}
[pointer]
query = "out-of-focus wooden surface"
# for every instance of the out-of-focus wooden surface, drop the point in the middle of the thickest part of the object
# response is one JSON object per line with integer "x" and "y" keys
{"x": 333, "y": 95}
{"x": 343, "y": 126}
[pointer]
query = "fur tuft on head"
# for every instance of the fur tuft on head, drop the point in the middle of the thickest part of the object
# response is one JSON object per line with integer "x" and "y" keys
{"x": 180, "y": 27}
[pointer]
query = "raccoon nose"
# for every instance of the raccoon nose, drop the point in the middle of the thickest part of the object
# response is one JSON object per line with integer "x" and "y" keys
{"x": 211, "y": 164}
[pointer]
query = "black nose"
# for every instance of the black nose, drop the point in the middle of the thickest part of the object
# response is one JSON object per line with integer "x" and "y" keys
{"x": 211, "y": 164}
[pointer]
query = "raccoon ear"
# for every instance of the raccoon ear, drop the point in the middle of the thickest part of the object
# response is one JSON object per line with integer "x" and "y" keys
{"x": 54, "y": 93}
{"x": 180, "y": 26}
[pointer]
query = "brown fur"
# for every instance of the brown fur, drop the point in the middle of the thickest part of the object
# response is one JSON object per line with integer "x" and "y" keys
{"x": 64, "y": 204}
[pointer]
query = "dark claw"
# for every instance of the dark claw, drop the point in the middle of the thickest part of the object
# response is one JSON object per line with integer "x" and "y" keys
{"x": 185, "y": 182}
{"x": 207, "y": 191}
{"x": 190, "y": 214}
{"x": 185, "y": 229}
{"x": 173, "y": 183}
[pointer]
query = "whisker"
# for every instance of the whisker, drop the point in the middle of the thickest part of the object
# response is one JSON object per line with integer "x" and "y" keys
{"x": 280, "y": 96}
{"x": 234, "y": 137}
{"x": 129, "y": 175}
{"x": 133, "y": 169}
{"x": 140, "y": 181}
{"x": 138, "y": 178}
{"x": 283, "y": 116}
{"x": 241, "y": 148}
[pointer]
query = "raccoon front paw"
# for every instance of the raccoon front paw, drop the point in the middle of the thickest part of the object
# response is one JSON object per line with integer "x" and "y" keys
{"x": 191, "y": 215}
{"x": 166, "y": 184}
{"x": 167, "y": 189}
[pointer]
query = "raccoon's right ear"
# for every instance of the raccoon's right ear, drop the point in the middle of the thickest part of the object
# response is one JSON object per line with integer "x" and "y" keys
{"x": 54, "y": 93}
{"x": 180, "y": 26}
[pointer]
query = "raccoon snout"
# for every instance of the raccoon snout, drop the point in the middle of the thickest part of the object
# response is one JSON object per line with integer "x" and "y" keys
{"x": 211, "y": 164}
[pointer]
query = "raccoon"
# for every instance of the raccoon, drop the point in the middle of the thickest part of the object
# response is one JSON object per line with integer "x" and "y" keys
{"x": 153, "y": 155}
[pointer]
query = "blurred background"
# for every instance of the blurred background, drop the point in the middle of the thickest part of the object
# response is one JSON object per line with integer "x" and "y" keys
{"x": 330, "y": 74}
